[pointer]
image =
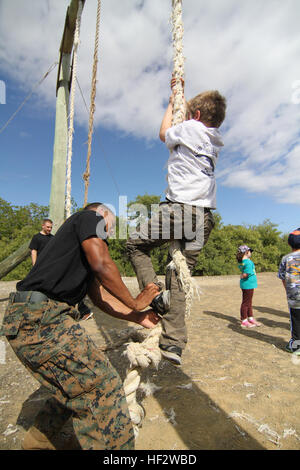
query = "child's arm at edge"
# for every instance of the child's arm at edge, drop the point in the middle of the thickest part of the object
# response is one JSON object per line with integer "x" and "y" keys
{"x": 244, "y": 276}
{"x": 167, "y": 120}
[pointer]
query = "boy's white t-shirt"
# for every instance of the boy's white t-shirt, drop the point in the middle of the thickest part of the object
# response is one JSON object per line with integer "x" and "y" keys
{"x": 194, "y": 152}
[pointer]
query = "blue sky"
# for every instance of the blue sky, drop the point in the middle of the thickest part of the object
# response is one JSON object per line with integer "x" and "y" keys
{"x": 248, "y": 50}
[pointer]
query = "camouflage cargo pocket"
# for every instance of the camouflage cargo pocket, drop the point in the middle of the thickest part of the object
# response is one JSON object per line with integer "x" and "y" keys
{"x": 78, "y": 368}
{"x": 37, "y": 342}
{"x": 12, "y": 318}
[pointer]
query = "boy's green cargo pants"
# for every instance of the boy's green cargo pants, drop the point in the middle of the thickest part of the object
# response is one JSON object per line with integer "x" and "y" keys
{"x": 191, "y": 226}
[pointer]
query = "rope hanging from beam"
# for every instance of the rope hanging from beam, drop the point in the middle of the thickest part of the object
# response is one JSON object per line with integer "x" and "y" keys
{"x": 86, "y": 175}
{"x": 179, "y": 108}
{"x": 146, "y": 353}
{"x": 178, "y": 61}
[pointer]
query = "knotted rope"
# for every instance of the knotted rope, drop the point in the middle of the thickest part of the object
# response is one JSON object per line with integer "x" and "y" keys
{"x": 178, "y": 61}
{"x": 179, "y": 108}
{"x": 72, "y": 109}
{"x": 86, "y": 175}
{"x": 141, "y": 355}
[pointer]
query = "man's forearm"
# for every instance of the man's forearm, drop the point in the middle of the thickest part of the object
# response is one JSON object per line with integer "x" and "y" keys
{"x": 106, "y": 272}
{"x": 109, "y": 304}
{"x": 110, "y": 278}
{"x": 113, "y": 307}
{"x": 33, "y": 257}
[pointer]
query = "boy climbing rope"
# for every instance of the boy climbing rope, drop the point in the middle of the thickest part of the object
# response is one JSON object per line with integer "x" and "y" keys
{"x": 186, "y": 214}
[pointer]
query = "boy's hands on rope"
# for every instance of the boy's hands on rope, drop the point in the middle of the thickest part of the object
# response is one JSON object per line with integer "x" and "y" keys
{"x": 173, "y": 88}
{"x": 173, "y": 82}
{"x": 167, "y": 118}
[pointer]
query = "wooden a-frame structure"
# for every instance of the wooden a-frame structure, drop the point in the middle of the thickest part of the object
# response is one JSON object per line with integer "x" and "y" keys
{"x": 58, "y": 182}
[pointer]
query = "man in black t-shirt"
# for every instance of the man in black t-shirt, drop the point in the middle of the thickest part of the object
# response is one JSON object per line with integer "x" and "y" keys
{"x": 37, "y": 244}
{"x": 41, "y": 239}
{"x": 57, "y": 349}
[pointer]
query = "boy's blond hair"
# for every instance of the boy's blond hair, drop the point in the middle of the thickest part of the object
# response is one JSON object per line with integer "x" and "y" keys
{"x": 212, "y": 107}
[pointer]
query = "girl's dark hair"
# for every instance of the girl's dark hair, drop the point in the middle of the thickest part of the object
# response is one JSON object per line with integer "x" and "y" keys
{"x": 294, "y": 239}
{"x": 239, "y": 256}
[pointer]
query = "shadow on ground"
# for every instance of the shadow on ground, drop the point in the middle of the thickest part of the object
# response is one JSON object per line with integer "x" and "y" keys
{"x": 199, "y": 422}
{"x": 272, "y": 311}
{"x": 65, "y": 440}
{"x": 254, "y": 333}
{"x": 196, "y": 419}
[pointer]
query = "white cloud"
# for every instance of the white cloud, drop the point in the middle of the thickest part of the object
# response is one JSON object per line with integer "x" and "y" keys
{"x": 248, "y": 50}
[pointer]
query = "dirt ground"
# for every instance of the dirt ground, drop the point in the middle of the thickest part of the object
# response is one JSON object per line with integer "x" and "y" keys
{"x": 236, "y": 388}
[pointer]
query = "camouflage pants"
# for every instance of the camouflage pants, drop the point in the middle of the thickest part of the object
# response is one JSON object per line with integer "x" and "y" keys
{"x": 190, "y": 225}
{"x": 83, "y": 383}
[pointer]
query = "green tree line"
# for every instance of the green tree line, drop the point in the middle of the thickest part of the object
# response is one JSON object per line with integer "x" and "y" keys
{"x": 19, "y": 223}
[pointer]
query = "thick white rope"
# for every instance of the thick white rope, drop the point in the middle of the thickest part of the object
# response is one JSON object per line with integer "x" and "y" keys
{"x": 179, "y": 109}
{"x": 72, "y": 109}
{"x": 178, "y": 61}
{"x": 141, "y": 355}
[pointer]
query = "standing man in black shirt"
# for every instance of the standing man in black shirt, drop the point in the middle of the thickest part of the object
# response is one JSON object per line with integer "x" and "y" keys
{"x": 41, "y": 239}
{"x": 58, "y": 351}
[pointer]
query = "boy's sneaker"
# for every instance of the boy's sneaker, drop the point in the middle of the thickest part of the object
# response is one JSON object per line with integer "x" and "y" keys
{"x": 247, "y": 324}
{"x": 171, "y": 353}
{"x": 161, "y": 303}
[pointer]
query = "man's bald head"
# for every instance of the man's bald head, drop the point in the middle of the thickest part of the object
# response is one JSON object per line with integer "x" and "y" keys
{"x": 107, "y": 214}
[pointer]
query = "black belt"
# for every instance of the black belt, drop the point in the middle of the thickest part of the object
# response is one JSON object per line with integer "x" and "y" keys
{"x": 30, "y": 296}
